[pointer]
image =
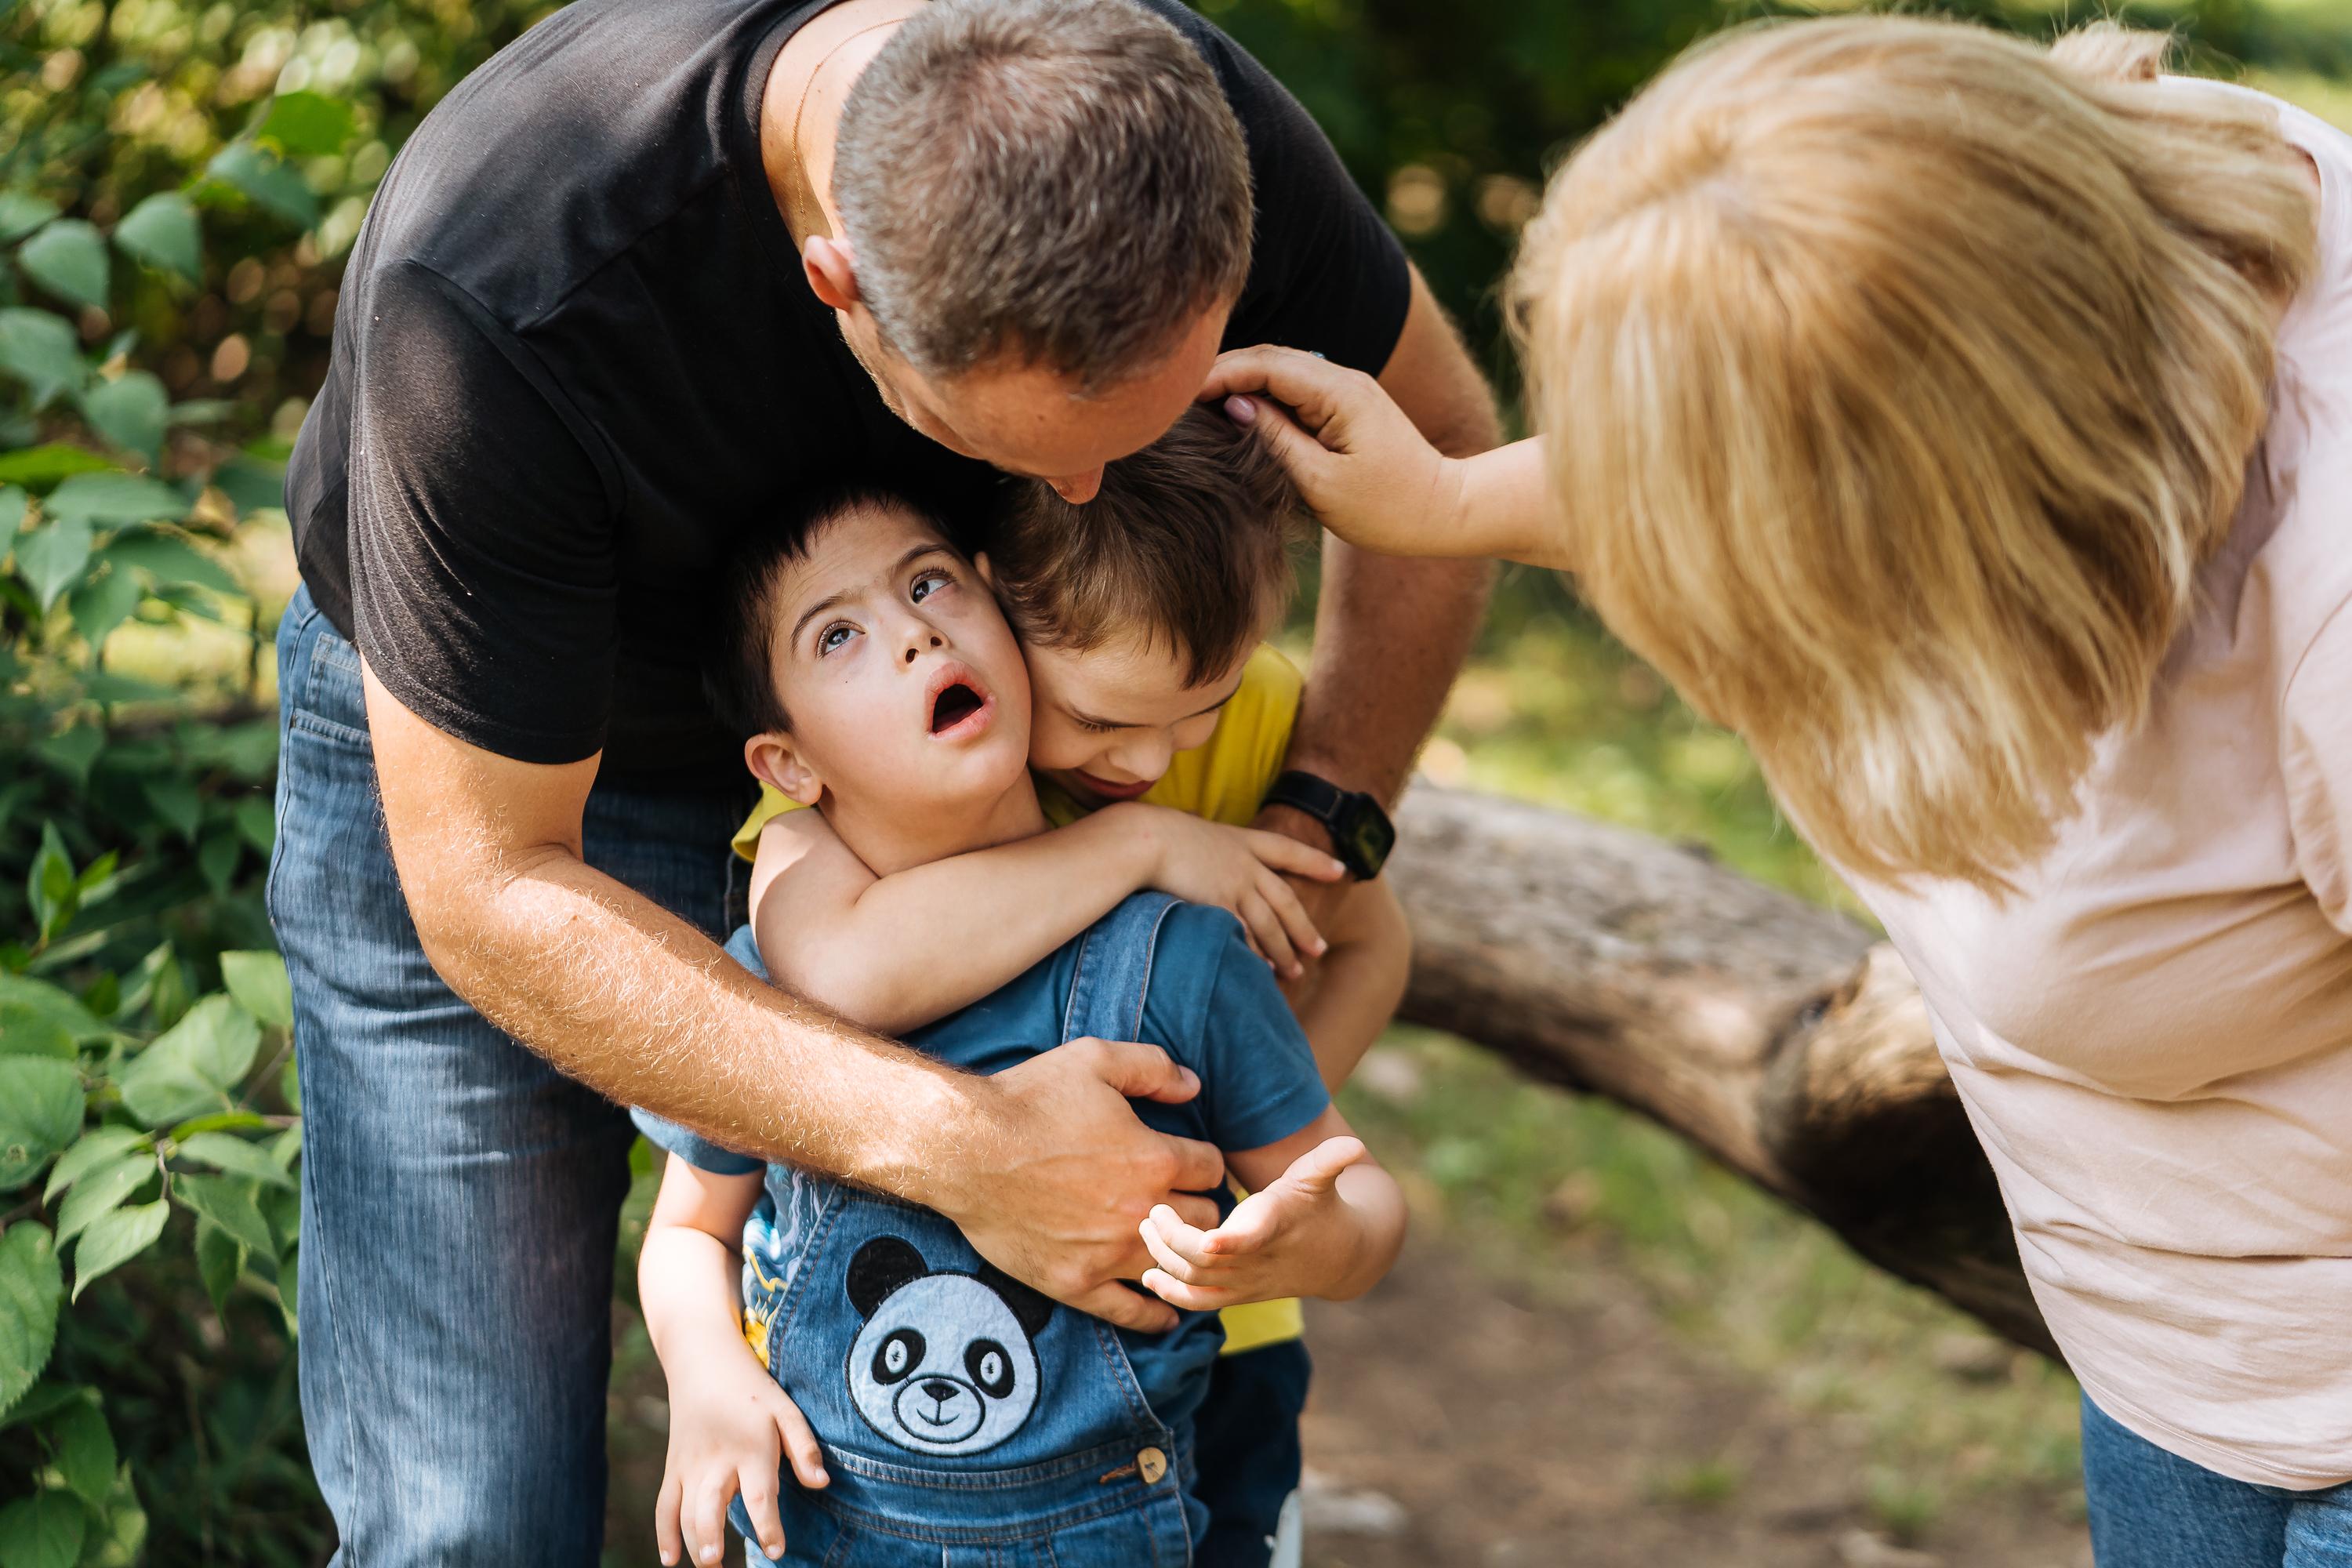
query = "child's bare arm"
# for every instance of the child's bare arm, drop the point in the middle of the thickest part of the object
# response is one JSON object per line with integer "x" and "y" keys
{"x": 894, "y": 952}
{"x": 1344, "y": 1002}
{"x": 1322, "y": 1219}
{"x": 729, "y": 1425}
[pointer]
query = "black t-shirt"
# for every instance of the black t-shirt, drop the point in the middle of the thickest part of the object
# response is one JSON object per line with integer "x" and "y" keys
{"x": 575, "y": 356}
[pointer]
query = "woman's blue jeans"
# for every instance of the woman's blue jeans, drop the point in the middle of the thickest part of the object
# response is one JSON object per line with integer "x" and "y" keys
{"x": 2151, "y": 1509}
{"x": 460, "y": 1196}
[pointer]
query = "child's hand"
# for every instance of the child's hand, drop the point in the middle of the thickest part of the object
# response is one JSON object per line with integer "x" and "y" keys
{"x": 1293, "y": 1239}
{"x": 1241, "y": 869}
{"x": 728, "y": 1431}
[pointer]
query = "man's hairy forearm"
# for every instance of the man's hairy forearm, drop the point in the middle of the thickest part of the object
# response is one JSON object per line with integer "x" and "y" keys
{"x": 631, "y": 1000}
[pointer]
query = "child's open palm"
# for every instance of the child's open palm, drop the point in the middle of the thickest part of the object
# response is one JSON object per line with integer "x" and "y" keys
{"x": 1295, "y": 1236}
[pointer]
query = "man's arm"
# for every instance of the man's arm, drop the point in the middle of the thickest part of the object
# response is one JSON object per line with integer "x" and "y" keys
{"x": 1045, "y": 1166}
{"x": 1390, "y": 633}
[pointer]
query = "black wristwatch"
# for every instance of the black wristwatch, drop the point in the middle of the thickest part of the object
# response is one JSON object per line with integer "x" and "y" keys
{"x": 1361, "y": 834}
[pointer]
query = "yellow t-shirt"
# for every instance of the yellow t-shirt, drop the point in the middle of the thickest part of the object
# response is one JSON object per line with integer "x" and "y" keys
{"x": 1223, "y": 780}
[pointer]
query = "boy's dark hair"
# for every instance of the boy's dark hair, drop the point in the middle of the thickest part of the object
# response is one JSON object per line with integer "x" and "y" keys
{"x": 738, "y": 653}
{"x": 1189, "y": 542}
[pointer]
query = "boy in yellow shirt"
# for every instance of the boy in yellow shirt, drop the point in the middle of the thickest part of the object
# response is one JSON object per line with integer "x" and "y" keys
{"x": 1159, "y": 721}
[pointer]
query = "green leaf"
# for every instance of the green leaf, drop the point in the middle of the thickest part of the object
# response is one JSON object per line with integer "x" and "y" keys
{"x": 250, "y": 749}
{"x": 115, "y": 1239}
{"x": 45, "y": 1398}
{"x": 267, "y": 181}
{"x": 257, "y": 822}
{"x": 201, "y": 411}
{"x": 306, "y": 124}
{"x": 52, "y": 558}
{"x": 103, "y": 1192}
{"x": 44, "y": 1531}
{"x": 41, "y": 348}
{"x": 116, "y": 498}
{"x": 218, "y": 857}
{"x": 104, "y": 602}
{"x": 54, "y": 460}
{"x": 176, "y": 800}
{"x": 219, "y": 1121}
{"x": 252, "y": 485}
{"x": 194, "y": 1066}
{"x": 13, "y": 506}
{"x": 229, "y": 1202}
{"x": 21, "y": 212}
{"x": 40, "y": 1114}
{"x": 85, "y": 1452}
{"x": 49, "y": 885}
{"x": 68, "y": 260}
{"x": 162, "y": 231}
{"x": 237, "y": 1156}
{"x": 30, "y": 1287}
{"x": 220, "y": 1259}
{"x": 168, "y": 561}
{"x": 71, "y": 752}
{"x": 25, "y": 1032}
{"x": 258, "y": 980}
{"x": 40, "y": 997}
{"x": 92, "y": 1149}
{"x": 129, "y": 411}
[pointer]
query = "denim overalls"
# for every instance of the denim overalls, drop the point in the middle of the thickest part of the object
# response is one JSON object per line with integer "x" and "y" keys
{"x": 966, "y": 1419}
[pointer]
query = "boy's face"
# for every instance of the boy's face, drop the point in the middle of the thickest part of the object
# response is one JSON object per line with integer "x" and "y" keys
{"x": 905, "y": 686}
{"x": 1108, "y": 720}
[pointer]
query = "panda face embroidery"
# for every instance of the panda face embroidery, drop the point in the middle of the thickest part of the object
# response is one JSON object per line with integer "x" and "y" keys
{"x": 944, "y": 1363}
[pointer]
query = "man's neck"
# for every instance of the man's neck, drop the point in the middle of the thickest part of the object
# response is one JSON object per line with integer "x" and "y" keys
{"x": 799, "y": 110}
{"x": 887, "y": 843}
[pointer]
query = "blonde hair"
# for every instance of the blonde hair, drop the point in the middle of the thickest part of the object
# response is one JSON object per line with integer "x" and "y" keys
{"x": 1902, "y": 374}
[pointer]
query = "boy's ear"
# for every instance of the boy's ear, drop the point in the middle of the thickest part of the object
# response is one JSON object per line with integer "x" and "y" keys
{"x": 987, "y": 573}
{"x": 775, "y": 760}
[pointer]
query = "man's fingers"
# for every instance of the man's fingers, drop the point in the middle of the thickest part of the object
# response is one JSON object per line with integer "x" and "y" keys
{"x": 1118, "y": 1305}
{"x": 666, "y": 1504}
{"x": 1143, "y": 1072}
{"x": 1200, "y": 1212}
{"x": 1192, "y": 1298}
{"x": 760, "y": 1502}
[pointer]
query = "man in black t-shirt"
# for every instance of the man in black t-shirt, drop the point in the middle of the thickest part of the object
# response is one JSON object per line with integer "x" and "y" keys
{"x": 658, "y": 267}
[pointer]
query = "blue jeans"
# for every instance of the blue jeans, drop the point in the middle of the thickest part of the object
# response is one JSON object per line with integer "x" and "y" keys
{"x": 2151, "y": 1509}
{"x": 460, "y": 1196}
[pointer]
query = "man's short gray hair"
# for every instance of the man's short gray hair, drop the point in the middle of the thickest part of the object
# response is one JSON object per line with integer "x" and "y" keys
{"x": 1059, "y": 179}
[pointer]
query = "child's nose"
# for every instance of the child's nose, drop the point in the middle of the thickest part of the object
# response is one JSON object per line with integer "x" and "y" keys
{"x": 917, "y": 644}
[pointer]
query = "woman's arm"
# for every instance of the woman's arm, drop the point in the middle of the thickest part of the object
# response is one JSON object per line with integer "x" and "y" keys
{"x": 1371, "y": 476}
{"x": 895, "y": 952}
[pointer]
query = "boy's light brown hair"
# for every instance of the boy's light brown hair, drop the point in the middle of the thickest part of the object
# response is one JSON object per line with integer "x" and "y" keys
{"x": 1188, "y": 545}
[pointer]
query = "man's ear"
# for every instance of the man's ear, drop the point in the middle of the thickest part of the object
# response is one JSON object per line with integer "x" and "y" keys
{"x": 773, "y": 759}
{"x": 832, "y": 270}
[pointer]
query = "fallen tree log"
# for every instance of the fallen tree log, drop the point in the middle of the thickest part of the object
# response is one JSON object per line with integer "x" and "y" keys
{"x": 1779, "y": 1036}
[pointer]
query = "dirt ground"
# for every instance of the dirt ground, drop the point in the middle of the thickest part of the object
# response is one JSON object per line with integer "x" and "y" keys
{"x": 1455, "y": 1423}
{"x": 1452, "y": 1425}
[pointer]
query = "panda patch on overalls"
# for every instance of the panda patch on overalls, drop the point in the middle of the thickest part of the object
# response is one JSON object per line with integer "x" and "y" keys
{"x": 945, "y": 1363}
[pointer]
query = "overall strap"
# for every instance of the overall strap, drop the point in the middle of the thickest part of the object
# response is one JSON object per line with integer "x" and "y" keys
{"x": 1115, "y": 970}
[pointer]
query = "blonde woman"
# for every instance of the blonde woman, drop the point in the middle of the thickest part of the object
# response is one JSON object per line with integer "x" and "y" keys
{"x": 1969, "y": 426}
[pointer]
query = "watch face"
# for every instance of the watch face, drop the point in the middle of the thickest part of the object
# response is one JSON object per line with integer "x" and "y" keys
{"x": 1369, "y": 838}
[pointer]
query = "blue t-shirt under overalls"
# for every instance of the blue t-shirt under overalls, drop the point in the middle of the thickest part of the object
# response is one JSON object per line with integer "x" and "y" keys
{"x": 961, "y": 1412}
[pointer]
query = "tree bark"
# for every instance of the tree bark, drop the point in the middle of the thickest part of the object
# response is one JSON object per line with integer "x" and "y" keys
{"x": 1781, "y": 1037}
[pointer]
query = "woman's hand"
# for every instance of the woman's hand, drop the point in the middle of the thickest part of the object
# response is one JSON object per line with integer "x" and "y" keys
{"x": 729, "y": 1428}
{"x": 1241, "y": 869}
{"x": 1370, "y": 476}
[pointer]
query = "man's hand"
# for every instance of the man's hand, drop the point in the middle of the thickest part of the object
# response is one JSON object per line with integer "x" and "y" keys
{"x": 1052, "y": 1176}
